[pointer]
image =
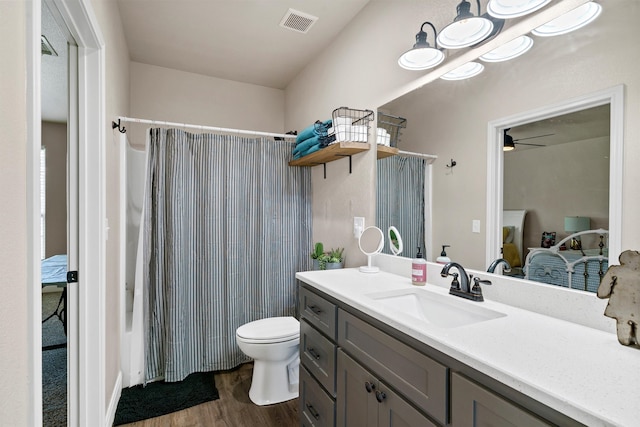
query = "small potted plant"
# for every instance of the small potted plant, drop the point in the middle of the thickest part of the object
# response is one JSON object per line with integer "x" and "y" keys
{"x": 327, "y": 260}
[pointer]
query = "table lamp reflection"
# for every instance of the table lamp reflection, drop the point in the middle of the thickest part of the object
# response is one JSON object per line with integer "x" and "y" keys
{"x": 574, "y": 224}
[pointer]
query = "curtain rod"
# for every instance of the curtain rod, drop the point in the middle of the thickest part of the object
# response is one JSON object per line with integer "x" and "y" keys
{"x": 430, "y": 158}
{"x": 115, "y": 125}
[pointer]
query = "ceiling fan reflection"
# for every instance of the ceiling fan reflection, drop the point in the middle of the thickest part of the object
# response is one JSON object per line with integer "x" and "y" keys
{"x": 510, "y": 143}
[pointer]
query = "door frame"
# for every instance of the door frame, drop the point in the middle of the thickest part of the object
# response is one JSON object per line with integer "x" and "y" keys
{"x": 85, "y": 310}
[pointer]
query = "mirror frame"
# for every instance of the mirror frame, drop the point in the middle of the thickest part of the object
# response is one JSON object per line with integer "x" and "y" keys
{"x": 495, "y": 163}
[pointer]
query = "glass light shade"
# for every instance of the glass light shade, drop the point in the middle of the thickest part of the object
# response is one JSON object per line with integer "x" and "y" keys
{"x": 573, "y": 224}
{"x": 421, "y": 58}
{"x": 509, "y": 50}
{"x": 465, "y": 32}
{"x": 507, "y": 9}
{"x": 465, "y": 71}
{"x": 570, "y": 21}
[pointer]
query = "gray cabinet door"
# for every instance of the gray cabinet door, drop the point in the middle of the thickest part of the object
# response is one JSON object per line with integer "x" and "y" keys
{"x": 356, "y": 405}
{"x": 474, "y": 406}
{"x": 419, "y": 378}
{"x": 394, "y": 411}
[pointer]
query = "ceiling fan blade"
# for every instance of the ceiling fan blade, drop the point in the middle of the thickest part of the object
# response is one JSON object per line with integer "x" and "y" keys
{"x": 525, "y": 143}
{"x": 532, "y": 137}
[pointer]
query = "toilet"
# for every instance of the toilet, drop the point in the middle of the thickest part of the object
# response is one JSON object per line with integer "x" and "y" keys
{"x": 273, "y": 343}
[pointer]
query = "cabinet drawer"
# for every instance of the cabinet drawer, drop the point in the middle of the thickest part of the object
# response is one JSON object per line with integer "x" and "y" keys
{"x": 318, "y": 355}
{"x": 319, "y": 312}
{"x": 316, "y": 407}
{"x": 474, "y": 405}
{"x": 417, "y": 377}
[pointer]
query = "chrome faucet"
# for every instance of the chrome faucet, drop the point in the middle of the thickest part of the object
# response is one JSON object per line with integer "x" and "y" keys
{"x": 496, "y": 263}
{"x": 462, "y": 288}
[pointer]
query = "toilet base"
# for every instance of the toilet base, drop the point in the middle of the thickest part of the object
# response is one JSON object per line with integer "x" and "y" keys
{"x": 270, "y": 383}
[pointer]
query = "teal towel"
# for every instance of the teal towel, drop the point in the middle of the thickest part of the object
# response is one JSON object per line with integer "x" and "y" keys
{"x": 300, "y": 148}
{"x": 316, "y": 129}
{"x": 309, "y": 150}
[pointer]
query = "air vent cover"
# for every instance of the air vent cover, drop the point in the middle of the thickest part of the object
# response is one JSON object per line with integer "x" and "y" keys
{"x": 298, "y": 21}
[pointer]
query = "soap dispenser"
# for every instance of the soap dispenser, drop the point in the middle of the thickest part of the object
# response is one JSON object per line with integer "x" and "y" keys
{"x": 419, "y": 270}
{"x": 443, "y": 258}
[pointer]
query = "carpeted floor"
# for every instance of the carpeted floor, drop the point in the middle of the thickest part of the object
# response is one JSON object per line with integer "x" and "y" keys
{"x": 54, "y": 366}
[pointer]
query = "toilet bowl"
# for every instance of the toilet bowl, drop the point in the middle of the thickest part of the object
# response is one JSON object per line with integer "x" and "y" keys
{"x": 273, "y": 344}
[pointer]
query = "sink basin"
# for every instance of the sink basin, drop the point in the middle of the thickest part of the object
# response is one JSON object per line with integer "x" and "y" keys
{"x": 444, "y": 311}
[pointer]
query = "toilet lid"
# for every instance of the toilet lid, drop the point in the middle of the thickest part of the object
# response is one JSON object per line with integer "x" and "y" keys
{"x": 272, "y": 328}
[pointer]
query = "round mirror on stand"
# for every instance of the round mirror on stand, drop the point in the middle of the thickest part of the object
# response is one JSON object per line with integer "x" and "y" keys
{"x": 371, "y": 242}
{"x": 395, "y": 241}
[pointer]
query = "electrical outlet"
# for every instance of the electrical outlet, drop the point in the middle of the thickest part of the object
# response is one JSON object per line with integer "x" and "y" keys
{"x": 358, "y": 226}
{"x": 475, "y": 226}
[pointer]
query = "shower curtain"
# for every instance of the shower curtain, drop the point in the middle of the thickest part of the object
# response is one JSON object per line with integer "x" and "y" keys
{"x": 400, "y": 200}
{"x": 227, "y": 225}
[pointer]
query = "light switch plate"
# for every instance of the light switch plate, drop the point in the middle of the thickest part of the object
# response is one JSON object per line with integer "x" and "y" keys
{"x": 475, "y": 226}
{"x": 358, "y": 226}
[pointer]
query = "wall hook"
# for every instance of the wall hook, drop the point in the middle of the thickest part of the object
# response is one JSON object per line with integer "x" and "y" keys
{"x": 115, "y": 125}
{"x": 452, "y": 164}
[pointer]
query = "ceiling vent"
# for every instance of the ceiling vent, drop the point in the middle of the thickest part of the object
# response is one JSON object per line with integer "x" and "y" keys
{"x": 298, "y": 21}
{"x": 46, "y": 47}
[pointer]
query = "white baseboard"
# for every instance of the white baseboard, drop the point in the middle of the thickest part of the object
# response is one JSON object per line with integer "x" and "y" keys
{"x": 113, "y": 403}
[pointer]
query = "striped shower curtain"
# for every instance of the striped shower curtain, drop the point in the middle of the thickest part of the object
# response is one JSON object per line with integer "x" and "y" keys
{"x": 400, "y": 200}
{"x": 227, "y": 224}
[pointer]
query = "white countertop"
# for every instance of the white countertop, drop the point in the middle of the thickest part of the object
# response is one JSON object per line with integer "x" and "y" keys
{"x": 577, "y": 370}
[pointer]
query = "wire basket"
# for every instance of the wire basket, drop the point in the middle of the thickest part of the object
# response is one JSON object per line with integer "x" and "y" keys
{"x": 351, "y": 125}
{"x": 392, "y": 125}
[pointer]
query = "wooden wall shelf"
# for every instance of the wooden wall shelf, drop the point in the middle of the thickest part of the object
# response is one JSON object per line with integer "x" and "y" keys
{"x": 384, "y": 151}
{"x": 336, "y": 151}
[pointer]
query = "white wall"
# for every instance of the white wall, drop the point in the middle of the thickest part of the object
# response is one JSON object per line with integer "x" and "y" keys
{"x": 14, "y": 340}
{"x": 159, "y": 93}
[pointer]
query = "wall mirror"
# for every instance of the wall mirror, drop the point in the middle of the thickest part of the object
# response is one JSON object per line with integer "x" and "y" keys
{"x": 466, "y": 120}
{"x": 566, "y": 163}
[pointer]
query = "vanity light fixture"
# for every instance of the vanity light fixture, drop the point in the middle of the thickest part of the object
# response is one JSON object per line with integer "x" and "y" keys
{"x": 465, "y": 71}
{"x": 422, "y": 56}
{"x": 509, "y": 50}
{"x": 507, "y": 9}
{"x": 466, "y": 29}
{"x": 570, "y": 21}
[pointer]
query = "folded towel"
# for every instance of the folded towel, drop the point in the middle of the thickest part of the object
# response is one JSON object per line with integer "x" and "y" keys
{"x": 308, "y": 151}
{"x": 318, "y": 128}
{"x": 304, "y": 145}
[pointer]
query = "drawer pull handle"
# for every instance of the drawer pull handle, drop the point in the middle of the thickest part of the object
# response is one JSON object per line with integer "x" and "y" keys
{"x": 312, "y": 351}
{"x": 315, "y": 414}
{"x": 369, "y": 386}
{"x": 316, "y": 310}
{"x": 380, "y": 396}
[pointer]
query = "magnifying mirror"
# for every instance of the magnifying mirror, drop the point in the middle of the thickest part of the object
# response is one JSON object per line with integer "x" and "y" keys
{"x": 395, "y": 241}
{"x": 371, "y": 242}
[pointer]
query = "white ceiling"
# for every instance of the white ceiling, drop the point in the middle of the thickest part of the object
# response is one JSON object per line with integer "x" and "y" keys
{"x": 239, "y": 40}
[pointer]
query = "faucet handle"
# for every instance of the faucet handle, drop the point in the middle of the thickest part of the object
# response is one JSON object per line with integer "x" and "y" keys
{"x": 476, "y": 290}
{"x": 455, "y": 284}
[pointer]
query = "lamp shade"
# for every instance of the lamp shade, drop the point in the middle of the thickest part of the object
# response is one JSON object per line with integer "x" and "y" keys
{"x": 506, "y": 9}
{"x": 570, "y": 21}
{"x": 573, "y": 224}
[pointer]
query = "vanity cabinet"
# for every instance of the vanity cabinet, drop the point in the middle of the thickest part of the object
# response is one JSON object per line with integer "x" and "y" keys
{"x": 356, "y": 371}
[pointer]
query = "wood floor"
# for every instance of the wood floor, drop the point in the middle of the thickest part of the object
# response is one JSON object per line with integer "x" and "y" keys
{"x": 233, "y": 409}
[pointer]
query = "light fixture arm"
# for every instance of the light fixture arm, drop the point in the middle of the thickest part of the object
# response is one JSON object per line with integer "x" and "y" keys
{"x": 421, "y": 37}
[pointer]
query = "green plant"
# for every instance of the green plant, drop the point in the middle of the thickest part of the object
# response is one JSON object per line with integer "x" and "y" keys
{"x": 317, "y": 251}
{"x": 333, "y": 256}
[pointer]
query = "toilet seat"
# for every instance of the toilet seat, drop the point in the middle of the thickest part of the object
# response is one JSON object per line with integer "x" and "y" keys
{"x": 269, "y": 330}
